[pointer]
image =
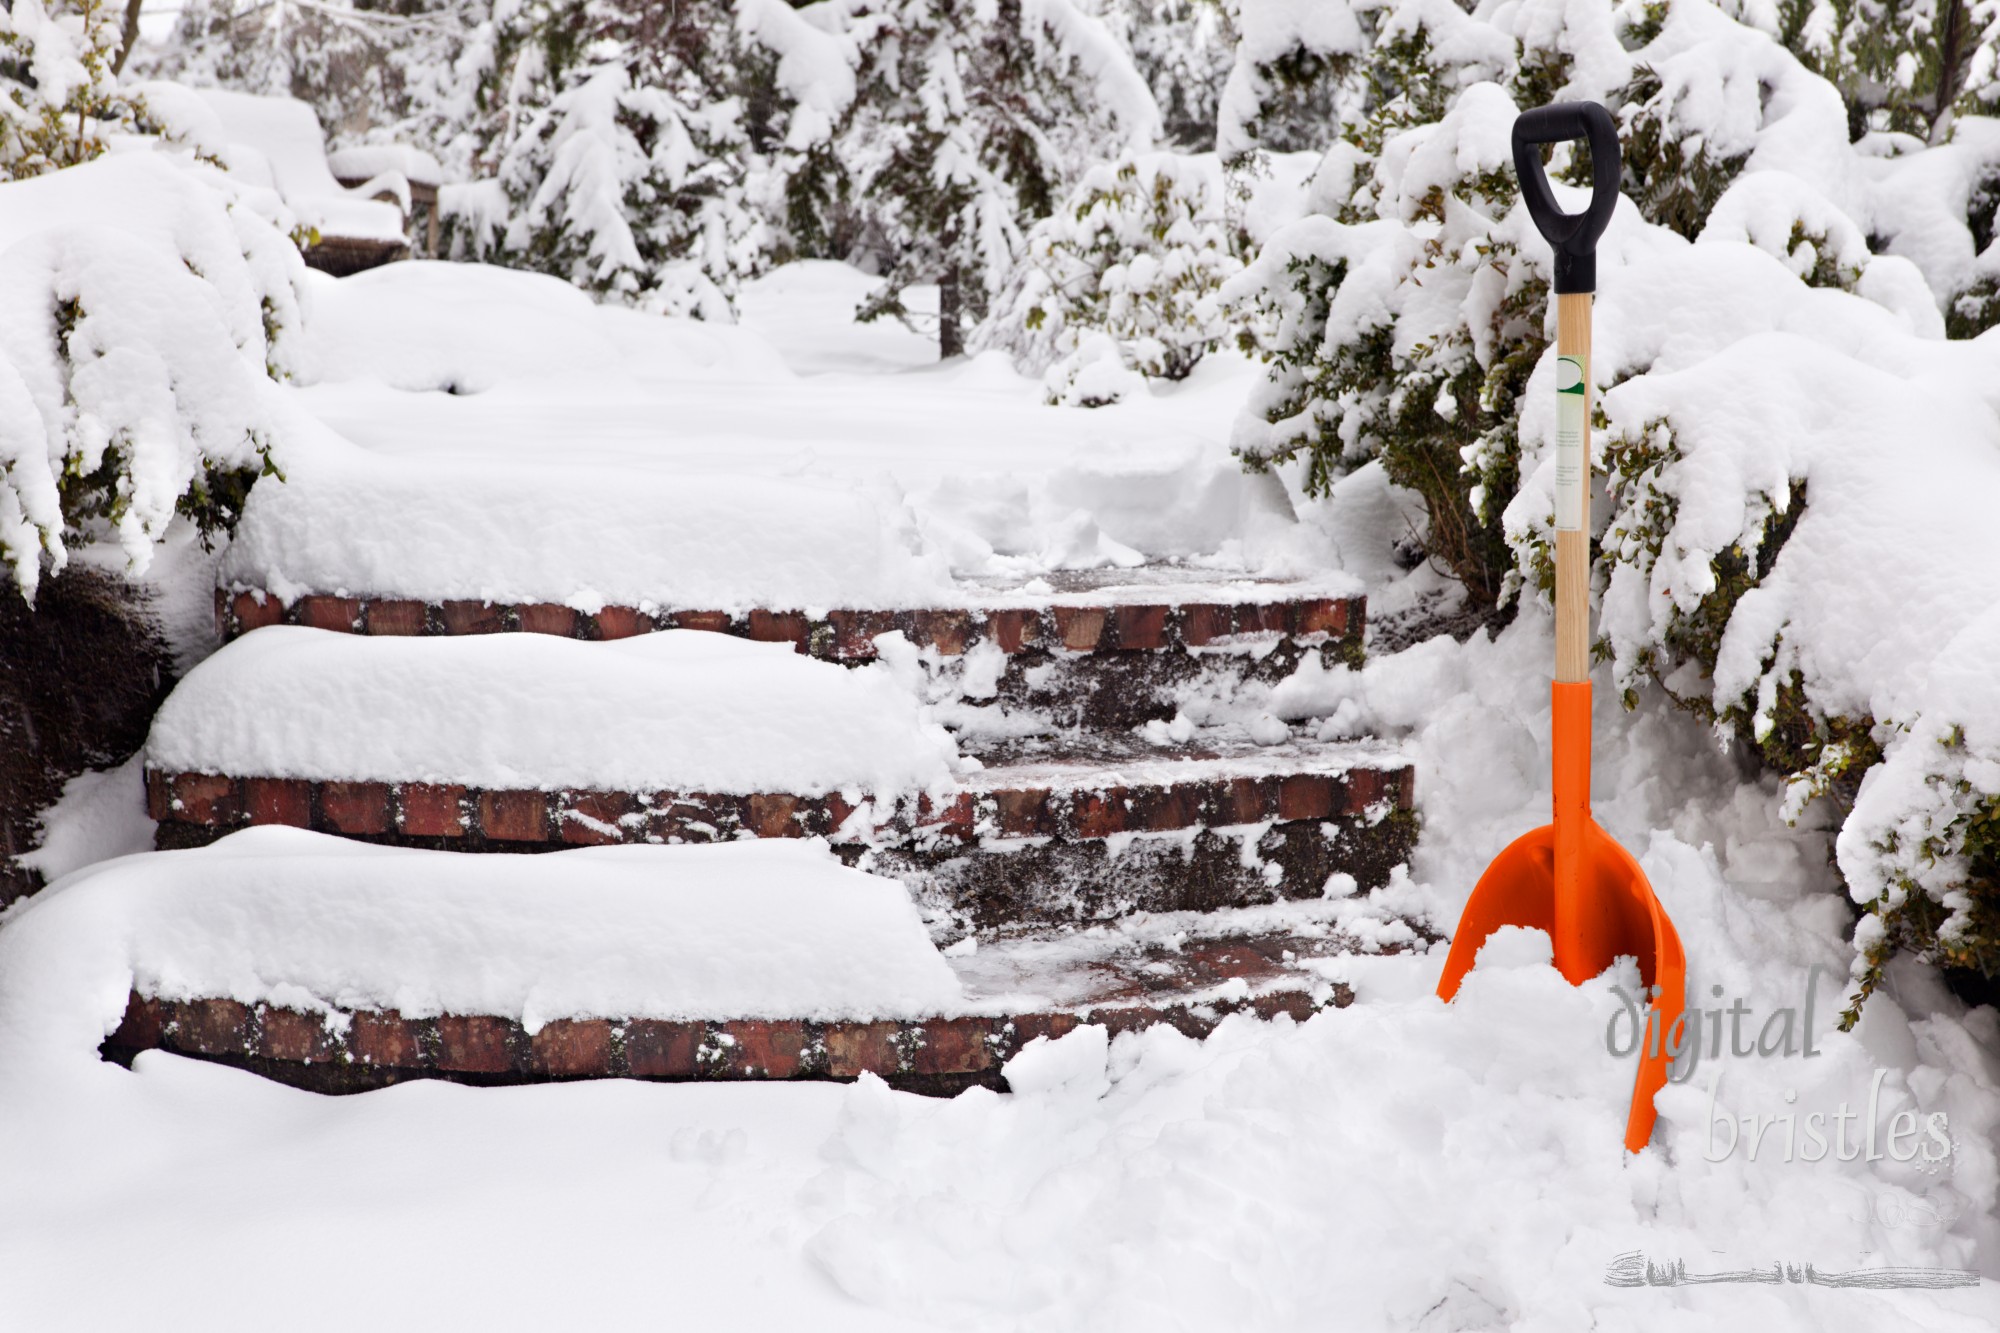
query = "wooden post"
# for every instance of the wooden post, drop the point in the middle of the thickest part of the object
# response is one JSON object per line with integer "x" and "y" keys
{"x": 1573, "y": 545}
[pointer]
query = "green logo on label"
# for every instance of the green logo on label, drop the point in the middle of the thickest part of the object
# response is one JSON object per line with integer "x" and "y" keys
{"x": 1569, "y": 374}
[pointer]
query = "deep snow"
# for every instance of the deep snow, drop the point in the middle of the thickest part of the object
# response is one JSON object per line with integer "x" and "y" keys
{"x": 1394, "y": 1165}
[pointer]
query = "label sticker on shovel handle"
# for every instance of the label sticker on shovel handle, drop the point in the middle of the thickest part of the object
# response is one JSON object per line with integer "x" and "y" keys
{"x": 1572, "y": 465}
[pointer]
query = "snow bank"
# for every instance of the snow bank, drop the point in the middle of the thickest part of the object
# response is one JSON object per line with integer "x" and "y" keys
{"x": 277, "y": 143}
{"x": 302, "y": 920}
{"x": 681, "y": 710}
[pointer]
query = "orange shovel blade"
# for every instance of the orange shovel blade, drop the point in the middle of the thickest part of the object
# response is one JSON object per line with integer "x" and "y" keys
{"x": 1617, "y": 915}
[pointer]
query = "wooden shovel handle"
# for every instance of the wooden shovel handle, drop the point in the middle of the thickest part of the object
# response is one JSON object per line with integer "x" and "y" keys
{"x": 1573, "y": 548}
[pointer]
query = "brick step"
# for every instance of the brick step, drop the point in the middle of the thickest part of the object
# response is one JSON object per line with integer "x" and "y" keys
{"x": 1125, "y": 982}
{"x": 1108, "y": 620}
{"x": 1027, "y": 843}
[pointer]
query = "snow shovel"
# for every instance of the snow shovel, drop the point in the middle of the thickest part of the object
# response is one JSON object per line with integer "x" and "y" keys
{"x": 1569, "y": 878}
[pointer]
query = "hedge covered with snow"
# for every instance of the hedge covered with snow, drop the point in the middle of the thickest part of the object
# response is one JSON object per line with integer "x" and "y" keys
{"x": 145, "y": 305}
{"x": 1800, "y": 468}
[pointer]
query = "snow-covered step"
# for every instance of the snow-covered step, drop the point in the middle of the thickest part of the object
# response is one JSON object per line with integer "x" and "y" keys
{"x": 1117, "y": 617}
{"x": 375, "y": 965}
{"x": 533, "y": 744}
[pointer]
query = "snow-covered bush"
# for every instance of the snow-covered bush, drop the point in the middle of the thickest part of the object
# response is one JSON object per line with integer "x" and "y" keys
{"x": 59, "y": 91}
{"x": 1138, "y": 253}
{"x": 1751, "y": 567}
{"x": 142, "y": 307}
{"x": 971, "y": 121}
{"x": 1408, "y": 337}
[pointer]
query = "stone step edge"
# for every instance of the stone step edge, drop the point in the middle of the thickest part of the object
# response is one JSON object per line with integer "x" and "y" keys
{"x": 844, "y": 635}
{"x": 598, "y": 818}
{"x": 496, "y": 1049}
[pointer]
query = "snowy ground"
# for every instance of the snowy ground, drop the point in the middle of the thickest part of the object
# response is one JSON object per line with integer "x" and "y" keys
{"x": 1394, "y": 1165}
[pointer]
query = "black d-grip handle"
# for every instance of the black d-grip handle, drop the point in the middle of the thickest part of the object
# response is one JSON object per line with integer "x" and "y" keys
{"x": 1572, "y": 235}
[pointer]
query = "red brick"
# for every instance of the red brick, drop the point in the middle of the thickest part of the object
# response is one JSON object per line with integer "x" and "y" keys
{"x": 1023, "y": 812}
{"x": 854, "y": 633}
{"x": 1322, "y": 615}
{"x": 1138, "y": 628}
{"x": 1079, "y": 627}
{"x": 1306, "y": 796}
{"x": 251, "y": 611}
{"x": 1220, "y": 960}
{"x": 1126, "y": 1017}
{"x": 713, "y": 622}
{"x": 1406, "y": 789}
{"x": 1248, "y": 800}
{"x": 853, "y": 1049}
{"x": 695, "y": 816}
{"x": 779, "y": 627}
{"x": 1014, "y": 629}
{"x": 1270, "y": 618}
{"x": 950, "y": 631}
{"x": 548, "y": 618}
{"x": 621, "y": 622}
{"x": 514, "y": 816}
{"x": 1297, "y": 1003}
{"x": 278, "y": 801}
{"x": 139, "y": 1030}
{"x": 206, "y": 798}
{"x": 1098, "y": 814}
{"x": 1204, "y": 623}
{"x": 433, "y": 810}
{"x": 159, "y": 796}
{"x": 287, "y": 1034}
{"x": 572, "y": 1048}
{"x": 473, "y": 618}
{"x": 954, "y": 1046}
{"x": 766, "y": 1050}
{"x": 773, "y": 815}
{"x": 657, "y": 1049}
{"x": 1024, "y": 1028}
{"x": 355, "y": 807}
{"x": 825, "y": 817}
{"x": 334, "y": 613}
{"x": 475, "y": 1044}
{"x": 1172, "y": 806}
{"x": 597, "y": 808}
{"x": 1366, "y": 786}
{"x": 209, "y": 1027}
{"x": 954, "y": 817}
{"x": 402, "y": 617}
{"x": 387, "y": 1039}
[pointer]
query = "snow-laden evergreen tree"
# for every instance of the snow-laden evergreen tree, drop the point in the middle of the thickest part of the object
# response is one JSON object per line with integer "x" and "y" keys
{"x": 971, "y": 120}
{"x": 1137, "y": 255}
{"x": 1185, "y": 49}
{"x": 59, "y": 89}
{"x": 615, "y": 135}
{"x": 370, "y": 71}
{"x": 1292, "y": 83}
